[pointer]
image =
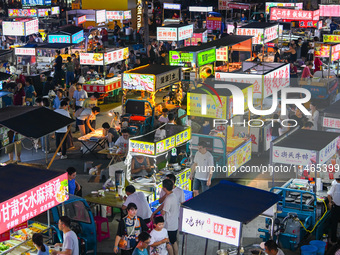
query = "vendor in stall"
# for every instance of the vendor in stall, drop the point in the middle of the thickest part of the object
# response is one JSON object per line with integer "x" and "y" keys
{"x": 306, "y": 73}
{"x": 140, "y": 166}
{"x": 277, "y": 55}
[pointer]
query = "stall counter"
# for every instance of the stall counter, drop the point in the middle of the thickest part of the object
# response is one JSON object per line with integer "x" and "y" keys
{"x": 102, "y": 86}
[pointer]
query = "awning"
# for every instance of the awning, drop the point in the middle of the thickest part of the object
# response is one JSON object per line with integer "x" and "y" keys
{"x": 233, "y": 201}
{"x": 32, "y": 122}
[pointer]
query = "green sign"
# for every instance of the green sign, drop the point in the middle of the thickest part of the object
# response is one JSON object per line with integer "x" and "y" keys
{"x": 178, "y": 58}
{"x": 206, "y": 57}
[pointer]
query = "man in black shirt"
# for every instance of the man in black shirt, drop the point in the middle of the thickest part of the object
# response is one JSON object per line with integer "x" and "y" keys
{"x": 58, "y": 62}
{"x": 116, "y": 30}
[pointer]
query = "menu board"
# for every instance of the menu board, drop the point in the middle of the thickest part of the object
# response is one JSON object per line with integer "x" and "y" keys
{"x": 78, "y": 37}
{"x": 59, "y": 39}
{"x": 178, "y": 58}
{"x": 13, "y": 28}
{"x": 127, "y": 15}
{"x": 206, "y": 57}
{"x": 114, "y": 15}
{"x": 25, "y": 51}
{"x": 43, "y": 12}
{"x": 81, "y": 20}
{"x": 32, "y": 27}
{"x": 222, "y": 54}
{"x": 115, "y": 56}
{"x": 214, "y": 23}
{"x": 92, "y": 59}
{"x": 322, "y": 50}
{"x": 271, "y": 33}
{"x": 166, "y": 34}
{"x": 185, "y": 32}
{"x": 335, "y": 52}
{"x": 100, "y": 16}
{"x": 55, "y": 10}
{"x": 134, "y": 81}
{"x": 22, "y": 13}
{"x": 256, "y": 33}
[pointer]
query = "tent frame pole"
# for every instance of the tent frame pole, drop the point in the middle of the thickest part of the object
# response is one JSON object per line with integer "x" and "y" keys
{"x": 206, "y": 246}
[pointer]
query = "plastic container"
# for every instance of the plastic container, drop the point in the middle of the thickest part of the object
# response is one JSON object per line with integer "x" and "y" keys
{"x": 187, "y": 194}
{"x": 321, "y": 245}
{"x": 309, "y": 250}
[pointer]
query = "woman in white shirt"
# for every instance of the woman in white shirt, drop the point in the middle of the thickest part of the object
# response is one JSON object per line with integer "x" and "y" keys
{"x": 315, "y": 115}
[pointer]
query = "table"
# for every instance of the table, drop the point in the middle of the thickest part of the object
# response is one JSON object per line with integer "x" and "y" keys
{"x": 115, "y": 157}
{"x": 96, "y": 137}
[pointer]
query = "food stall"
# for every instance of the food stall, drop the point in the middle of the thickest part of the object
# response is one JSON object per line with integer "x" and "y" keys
{"x": 169, "y": 9}
{"x": 199, "y": 35}
{"x": 242, "y": 7}
{"x": 215, "y": 104}
{"x": 201, "y": 10}
{"x": 174, "y": 32}
{"x": 210, "y": 216}
{"x": 150, "y": 78}
{"x": 311, "y": 155}
{"x": 330, "y": 120}
{"x": 20, "y": 28}
{"x": 157, "y": 149}
{"x": 99, "y": 80}
{"x": 324, "y": 84}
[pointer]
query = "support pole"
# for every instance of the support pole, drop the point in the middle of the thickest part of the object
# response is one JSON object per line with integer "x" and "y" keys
{"x": 206, "y": 246}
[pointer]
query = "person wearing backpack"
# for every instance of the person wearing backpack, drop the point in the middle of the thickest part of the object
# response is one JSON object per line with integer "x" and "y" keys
{"x": 128, "y": 230}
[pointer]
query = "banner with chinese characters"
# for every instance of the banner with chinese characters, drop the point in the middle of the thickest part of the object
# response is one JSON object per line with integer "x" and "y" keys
{"x": 293, "y": 156}
{"x": 256, "y": 33}
{"x": 116, "y": 56}
{"x": 239, "y": 157}
{"x": 205, "y": 105}
{"x": 183, "y": 136}
{"x": 22, "y": 13}
{"x": 206, "y": 57}
{"x": 143, "y": 82}
{"x": 25, "y": 51}
{"x": 81, "y": 20}
{"x": 13, "y": 28}
{"x": 331, "y": 38}
{"x": 298, "y": 6}
{"x": 271, "y": 33}
{"x": 114, "y": 15}
{"x": 166, "y": 144}
{"x": 165, "y": 79}
{"x": 214, "y": 23}
{"x": 280, "y": 14}
{"x": 142, "y": 147}
{"x": 78, "y": 37}
{"x": 127, "y": 14}
{"x": 59, "y": 39}
{"x": 335, "y": 52}
{"x": 90, "y": 88}
{"x": 179, "y": 58}
{"x": 239, "y": 6}
{"x": 328, "y": 122}
{"x": 43, "y": 12}
{"x": 100, "y": 16}
{"x": 321, "y": 50}
{"x": 223, "y": 4}
{"x": 210, "y": 227}
{"x": 166, "y": 34}
{"x": 92, "y": 59}
{"x": 279, "y": 78}
{"x": 33, "y": 202}
{"x": 329, "y": 10}
{"x": 308, "y": 23}
{"x": 328, "y": 152}
{"x": 20, "y": 226}
{"x": 185, "y": 32}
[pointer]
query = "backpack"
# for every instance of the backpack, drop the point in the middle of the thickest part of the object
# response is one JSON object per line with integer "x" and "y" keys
{"x": 78, "y": 112}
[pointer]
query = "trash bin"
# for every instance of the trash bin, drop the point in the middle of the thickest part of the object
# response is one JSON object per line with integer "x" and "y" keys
{"x": 321, "y": 245}
{"x": 309, "y": 250}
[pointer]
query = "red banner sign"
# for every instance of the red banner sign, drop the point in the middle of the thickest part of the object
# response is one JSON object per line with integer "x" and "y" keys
{"x": 5, "y": 236}
{"x": 329, "y": 10}
{"x": 214, "y": 23}
{"x": 33, "y": 202}
{"x": 103, "y": 89}
{"x": 280, "y": 14}
{"x": 238, "y": 6}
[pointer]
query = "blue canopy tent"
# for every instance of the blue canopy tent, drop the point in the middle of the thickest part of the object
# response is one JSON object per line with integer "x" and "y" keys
{"x": 226, "y": 201}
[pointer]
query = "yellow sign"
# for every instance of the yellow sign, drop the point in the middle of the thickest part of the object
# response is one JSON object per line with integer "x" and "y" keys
{"x": 183, "y": 136}
{"x": 212, "y": 107}
{"x": 239, "y": 157}
{"x": 165, "y": 144}
{"x": 142, "y": 147}
{"x": 75, "y": 6}
{"x": 139, "y": 14}
{"x": 331, "y": 38}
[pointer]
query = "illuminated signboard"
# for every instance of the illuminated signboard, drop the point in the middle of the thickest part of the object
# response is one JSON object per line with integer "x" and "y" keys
{"x": 169, "y": 6}
{"x": 222, "y": 54}
{"x": 78, "y": 37}
{"x": 166, "y": 33}
{"x": 200, "y": 9}
{"x": 298, "y": 6}
{"x": 331, "y": 38}
{"x": 35, "y": 2}
{"x": 55, "y": 10}
{"x": 32, "y": 27}
{"x": 22, "y": 13}
{"x": 178, "y": 58}
{"x": 92, "y": 59}
{"x": 256, "y": 33}
{"x": 280, "y": 14}
{"x": 25, "y": 51}
{"x": 43, "y": 12}
{"x": 127, "y": 15}
{"x": 59, "y": 39}
{"x": 81, "y": 20}
{"x": 185, "y": 32}
{"x": 271, "y": 33}
{"x": 211, "y": 227}
{"x": 114, "y": 15}
{"x": 214, "y": 23}
{"x": 116, "y": 56}
{"x": 144, "y": 82}
{"x": 100, "y": 16}
{"x": 331, "y": 10}
{"x": 139, "y": 9}
{"x": 223, "y": 4}
{"x": 206, "y": 57}
{"x": 13, "y": 28}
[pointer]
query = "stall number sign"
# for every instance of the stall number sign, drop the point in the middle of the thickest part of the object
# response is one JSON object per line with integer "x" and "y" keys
{"x": 166, "y": 33}
{"x": 127, "y": 15}
{"x": 214, "y": 23}
{"x": 239, "y": 157}
{"x": 211, "y": 227}
{"x": 271, "y": 33}
{"x": 329, "y": 151}
{"x": 256, "y": 33}
{"x": 223, "y": 4}
{"x": 143, "y": 82}
{"x": 178, "y": 58}
{"x": 185, "y": 32}
{"x": 33, "y": 202}
{"x": 25, "y": 51}
{"x": 165, "y": 145}
{"x": 276, "y": 79}
{"x": 81, "y": 20}
{"x": 101, "y": 16}
{"x": 78, "y": 37}
{"x": 59, "y": 39}
{"x": 43, "y": 12}
{"x": 331, "y": 123}
{"x": 293, "y": 156}
{"x": 329, "y": 10}
{"x": 32, "y": 27}
{"x": 116, "y": 56}
{"x": 298, "y": 6}
{"x": 92, "y": 59}
{"x": 114, "y": 15}
{"x": 222, "y": 54}
{"x": 208, "y": 106}
{"x": 13, "y": 28}
{"x": 55, "y": 10}
{"x": 206, "y": 57}
{"x": 142, "y": 147}
{"x": 331, "y": 38}
{"x": 166, "y": 79}
{"x": 22, "y": 13}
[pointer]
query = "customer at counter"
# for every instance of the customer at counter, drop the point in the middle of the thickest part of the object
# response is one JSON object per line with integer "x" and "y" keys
{"x": 123, "y": 142}
{"x": 140, "y": 166}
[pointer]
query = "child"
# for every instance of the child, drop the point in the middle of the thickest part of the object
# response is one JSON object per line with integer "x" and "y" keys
{"x": 159, "y": 238}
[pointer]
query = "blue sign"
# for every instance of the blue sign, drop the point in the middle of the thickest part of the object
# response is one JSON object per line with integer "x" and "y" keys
{"x": 78, "y": 37}
{"x": 59, "y": 39}
{"x": 35, "y": 2}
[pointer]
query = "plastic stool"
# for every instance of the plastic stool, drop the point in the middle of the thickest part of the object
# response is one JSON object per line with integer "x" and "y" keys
{"x": 101, "y": 235}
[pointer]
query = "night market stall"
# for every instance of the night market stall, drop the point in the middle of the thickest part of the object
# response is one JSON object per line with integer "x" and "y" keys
{"x": 330, "y": 120}
{"x": 174, "y": 32}
{"x": 209, "y": 216}
{"x": 199, "y": 35}
{"x": 171, "y": 13}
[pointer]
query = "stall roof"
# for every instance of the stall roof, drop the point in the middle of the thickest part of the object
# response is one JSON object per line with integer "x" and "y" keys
{"x": 176, "y": 25}
{"x": 333, "y": 109}
{"x": 308, "y": 140}
{"x": 242, "y": 204}
{"x": 220, "y": 91}
{"x": 262, "y": 68}
{"x": 25, "y": 178}
{"x": 153, "y": 69}
{"x": 71, "y": 29}
{"x": 199, "y": 30}
{"x": 229, "y": 40}
{"x": 33, "y": 122}
{"x": 259, "y": 25}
